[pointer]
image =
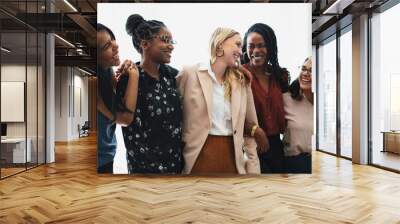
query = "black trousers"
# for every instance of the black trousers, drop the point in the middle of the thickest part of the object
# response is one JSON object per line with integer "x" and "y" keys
{"x": 272, "y": 160}
{"x": 106, "y": 168}
{"x": 298, "y": 164}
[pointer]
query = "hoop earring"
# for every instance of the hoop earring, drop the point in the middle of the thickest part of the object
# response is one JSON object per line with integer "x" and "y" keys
{"x": 220, "y": 55}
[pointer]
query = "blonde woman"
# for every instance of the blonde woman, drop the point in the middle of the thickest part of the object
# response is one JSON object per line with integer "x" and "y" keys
{"x": 216, "y": 102}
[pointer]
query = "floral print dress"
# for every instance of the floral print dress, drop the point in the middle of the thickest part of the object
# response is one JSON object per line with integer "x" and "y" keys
{"x": 153, "y": 140}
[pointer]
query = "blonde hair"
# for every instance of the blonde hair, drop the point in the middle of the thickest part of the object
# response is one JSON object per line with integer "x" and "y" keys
{"x": 309, "y": 58}
{"x": 231, "y": 74}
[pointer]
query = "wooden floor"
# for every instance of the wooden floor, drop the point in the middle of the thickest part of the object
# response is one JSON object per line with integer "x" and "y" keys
{"x": 10, "y": 171}
{"x": 70, "y": 191}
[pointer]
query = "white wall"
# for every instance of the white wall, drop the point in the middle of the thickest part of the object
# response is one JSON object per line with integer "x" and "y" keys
{"x": 16, "y": 73}
{"x": 33, "y": 126}
{"x": 67, "y": 115}
{"x": 80, "y": 84}
{"x": 61, "y": 103}
{"x": 193, "y": 25}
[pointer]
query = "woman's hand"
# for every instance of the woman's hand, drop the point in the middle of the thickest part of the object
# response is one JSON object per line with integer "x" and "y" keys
{"x": 261, "y": 140}
{"x": 127, "y": 68}
{"x": 247, "y": 73}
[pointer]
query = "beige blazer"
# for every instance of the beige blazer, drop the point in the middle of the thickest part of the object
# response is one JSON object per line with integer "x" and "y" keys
{"x": 196, "y": 88}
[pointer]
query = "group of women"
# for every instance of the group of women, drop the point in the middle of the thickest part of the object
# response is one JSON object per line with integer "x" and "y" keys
{"x": 213, "y": 117}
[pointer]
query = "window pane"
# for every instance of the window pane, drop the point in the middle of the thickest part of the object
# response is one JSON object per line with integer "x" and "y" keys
{"x": 385, "y": 84}
{"x": 346, "y": 94}
{"x": 327, "y": 97}
{"x": 31, "y": 97}
{"x": 14, "y": 153}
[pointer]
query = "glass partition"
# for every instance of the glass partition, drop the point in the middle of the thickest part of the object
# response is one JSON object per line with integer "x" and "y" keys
{"x": 13, "y": 103}
{"x": 385, "y": 89}
{"x": 346, "y": 93}
{"x": 327, "y": 96}
{"x": 22, "y": 63}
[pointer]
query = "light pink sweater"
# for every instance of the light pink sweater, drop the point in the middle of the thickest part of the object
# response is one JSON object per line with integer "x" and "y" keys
{"x": 299, "y": 115}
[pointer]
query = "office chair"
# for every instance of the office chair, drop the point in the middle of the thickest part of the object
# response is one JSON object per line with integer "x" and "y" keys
{"x": 84, "y": 130}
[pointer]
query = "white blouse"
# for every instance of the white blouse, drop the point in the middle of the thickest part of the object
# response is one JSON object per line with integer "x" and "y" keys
{"x": 221, "y": 117}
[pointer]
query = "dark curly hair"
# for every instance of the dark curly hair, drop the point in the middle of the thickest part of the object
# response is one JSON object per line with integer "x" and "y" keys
{"x": 278, "y": 73}
{"x": 141, "y": 29}
{"x": 294, "y": 88}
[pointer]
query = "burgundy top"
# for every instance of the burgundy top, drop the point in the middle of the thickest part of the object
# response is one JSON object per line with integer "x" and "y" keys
{"x": 269, "y": 106}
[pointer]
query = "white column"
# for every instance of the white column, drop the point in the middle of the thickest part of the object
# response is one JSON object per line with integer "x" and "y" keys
{"x": 50, "y": 93}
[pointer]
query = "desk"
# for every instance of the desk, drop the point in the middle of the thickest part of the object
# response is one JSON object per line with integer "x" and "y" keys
{"x": 13, "y": 150}
{"x": 391, "y": 141}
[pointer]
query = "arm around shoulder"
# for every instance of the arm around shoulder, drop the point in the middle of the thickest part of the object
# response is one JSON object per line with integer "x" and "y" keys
{"x": 127, "y": 93}
{"x": 253, "y": 163}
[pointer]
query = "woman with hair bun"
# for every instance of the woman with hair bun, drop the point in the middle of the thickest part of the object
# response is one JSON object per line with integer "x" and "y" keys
{"x": 148, "y": 93}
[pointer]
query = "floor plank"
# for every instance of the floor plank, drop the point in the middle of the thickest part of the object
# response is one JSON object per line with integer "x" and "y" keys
{"x": 70, "y": 191}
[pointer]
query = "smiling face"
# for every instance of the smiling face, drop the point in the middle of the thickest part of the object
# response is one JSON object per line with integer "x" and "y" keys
{"x": 108, "y": 54}
{"x": 232, "y": 48}
{"x": 305, "y": 78}
{"x": 160, "y": 47}
{"x": 256, "y": 49}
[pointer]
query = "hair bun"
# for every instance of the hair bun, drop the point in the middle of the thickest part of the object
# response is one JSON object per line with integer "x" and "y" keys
{"x": 133, "y": 22}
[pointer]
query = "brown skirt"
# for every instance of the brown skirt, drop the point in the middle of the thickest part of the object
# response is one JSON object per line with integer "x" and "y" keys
{"x": 216, "y": 156}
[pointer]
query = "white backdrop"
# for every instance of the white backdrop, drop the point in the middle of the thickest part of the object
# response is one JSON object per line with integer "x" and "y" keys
{"x": 192, "y": 24}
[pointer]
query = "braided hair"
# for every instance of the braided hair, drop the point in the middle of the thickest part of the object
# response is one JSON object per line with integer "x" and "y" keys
{"x": 278, "y": 73}
{"x": 141, "y": 29}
